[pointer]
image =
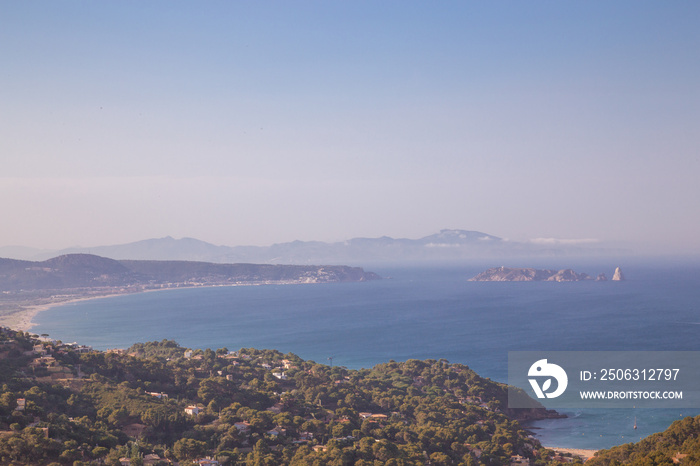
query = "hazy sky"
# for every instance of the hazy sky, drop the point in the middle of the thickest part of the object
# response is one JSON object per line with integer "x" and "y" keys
{"x": 262, "y": 122}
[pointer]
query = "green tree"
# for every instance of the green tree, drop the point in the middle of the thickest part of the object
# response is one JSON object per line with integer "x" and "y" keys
{"x": 187, "y": 448}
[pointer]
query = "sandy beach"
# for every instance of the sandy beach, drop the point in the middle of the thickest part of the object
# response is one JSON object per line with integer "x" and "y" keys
{"x": 22, "y": 318}
{"x": 581, "y": 453}
{"x": 19, "y": 313}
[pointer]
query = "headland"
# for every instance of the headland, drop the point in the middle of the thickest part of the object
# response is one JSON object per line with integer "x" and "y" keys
{"x": 31, "y": 287}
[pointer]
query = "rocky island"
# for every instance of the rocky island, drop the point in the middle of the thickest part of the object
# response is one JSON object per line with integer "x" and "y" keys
{"x": 508, "y": 274}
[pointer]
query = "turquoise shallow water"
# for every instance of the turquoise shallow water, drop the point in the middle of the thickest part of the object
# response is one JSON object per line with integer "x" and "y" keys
{"x": 421, "y": 313}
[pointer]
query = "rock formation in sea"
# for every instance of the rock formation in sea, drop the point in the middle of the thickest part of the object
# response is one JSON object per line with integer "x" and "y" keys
{"x": 507, "y": 274}
{"x": 601, "y": 278}
{"x": 618, "y": 276}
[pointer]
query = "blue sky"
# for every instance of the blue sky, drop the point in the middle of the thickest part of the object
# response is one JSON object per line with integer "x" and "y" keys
{"x": 263, "y": 122}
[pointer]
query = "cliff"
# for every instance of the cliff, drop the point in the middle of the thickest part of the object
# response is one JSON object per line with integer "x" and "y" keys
{"x": 506, "y": 274}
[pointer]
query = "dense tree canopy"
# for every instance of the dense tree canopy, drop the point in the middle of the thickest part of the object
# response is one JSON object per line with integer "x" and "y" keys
{"x": 252, "y": 407}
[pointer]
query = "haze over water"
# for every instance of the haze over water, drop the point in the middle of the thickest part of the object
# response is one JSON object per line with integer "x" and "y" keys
{"x": 423, "y": 313}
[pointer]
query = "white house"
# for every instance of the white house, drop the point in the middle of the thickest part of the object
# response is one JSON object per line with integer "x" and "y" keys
{"x": 193, "y": 410}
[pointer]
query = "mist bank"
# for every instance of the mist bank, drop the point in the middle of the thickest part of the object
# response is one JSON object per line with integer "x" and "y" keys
{"x": 445, "y": 246}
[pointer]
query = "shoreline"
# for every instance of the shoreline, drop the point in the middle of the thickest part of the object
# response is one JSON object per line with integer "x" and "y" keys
{"x": 584, "y": 454}
{"x": 23, "y": 318}
{"x": 26, "y": 310}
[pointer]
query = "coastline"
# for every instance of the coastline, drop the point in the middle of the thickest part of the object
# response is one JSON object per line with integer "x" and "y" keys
{"x": 23, "y": 318}
{"x": 22, "y": 312}
{"x": 582, "y": 453}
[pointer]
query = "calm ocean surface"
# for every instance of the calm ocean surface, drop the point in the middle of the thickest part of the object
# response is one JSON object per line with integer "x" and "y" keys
{"x": 423, "y": 313}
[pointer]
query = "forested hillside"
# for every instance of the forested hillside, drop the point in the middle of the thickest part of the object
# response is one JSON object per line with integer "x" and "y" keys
{"x": 159, "y": 403}
{"x": 679, "y": 444}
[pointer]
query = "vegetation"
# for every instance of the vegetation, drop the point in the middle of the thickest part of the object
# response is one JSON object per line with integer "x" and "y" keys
{"x": 158, "y": 403}
{"x": 679, "y": 444}
{"x": 83, "y": 272}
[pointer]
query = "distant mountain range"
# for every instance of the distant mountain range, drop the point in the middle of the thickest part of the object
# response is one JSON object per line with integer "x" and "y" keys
{"x": 447, "y": 245}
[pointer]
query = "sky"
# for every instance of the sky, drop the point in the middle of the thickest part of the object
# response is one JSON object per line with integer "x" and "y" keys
{"x": 253, "y": 123}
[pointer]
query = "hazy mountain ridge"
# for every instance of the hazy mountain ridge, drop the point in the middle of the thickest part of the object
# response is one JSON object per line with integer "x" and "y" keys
{"x": 447, "y": 245}
{"x": 90, "y": 271}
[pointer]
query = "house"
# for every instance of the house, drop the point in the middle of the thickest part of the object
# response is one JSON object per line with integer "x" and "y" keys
{"x": 206, "y": 462}
{"x": 242, "y": 426}
{"x": 276, "y": 432}
{"x": 160, "y": 396}
{"x": 561, "y": 459}
{"x": 280, "y": 375}
{"x": 48, "y": 361}
{"x": 193, "y": 410}
{"x": 276, "y": 408}
{"x": 82, "y": 349}
{"x": 188, "y": 354}
{"x": 287, "y": 364}
{"x": 21, "y": 404}
{"x": 152, "y": 459}
{"x": 518, "y": 460}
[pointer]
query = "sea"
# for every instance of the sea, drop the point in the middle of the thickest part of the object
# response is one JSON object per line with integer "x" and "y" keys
{"x": 426, "y": 312}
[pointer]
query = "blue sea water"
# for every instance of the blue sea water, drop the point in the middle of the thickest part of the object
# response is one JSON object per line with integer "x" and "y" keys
{"x": 422, "y": 313}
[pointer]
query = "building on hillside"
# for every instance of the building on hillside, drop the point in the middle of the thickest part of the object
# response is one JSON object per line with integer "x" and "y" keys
{"x": 242, "y": 426}
{"x": 277, "y": 431}
{"x": 193, "y": 410}
{"x": 518, "y": 460}
{"x": 153, "y": 459}
{"x": 206, "y": 462}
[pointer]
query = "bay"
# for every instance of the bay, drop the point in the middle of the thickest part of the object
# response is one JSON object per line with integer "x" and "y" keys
{"x": 422, "y": 313}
